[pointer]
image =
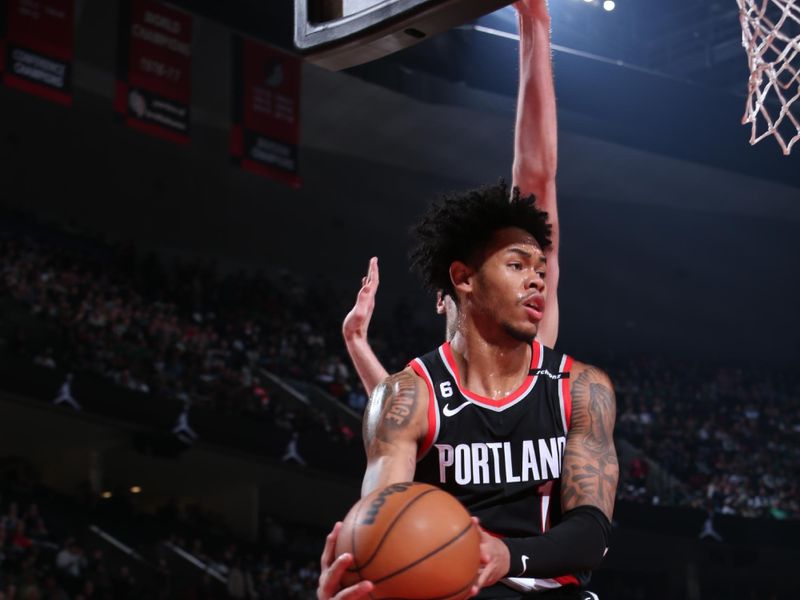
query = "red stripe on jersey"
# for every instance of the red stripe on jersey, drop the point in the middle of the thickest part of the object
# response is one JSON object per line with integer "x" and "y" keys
{"x": 567, "y": 580}
{"x": 565, "y": 393}
{"x": 428, "y": 441}
{"x": 545, "y": 491}
{"x": 536, "y": 352}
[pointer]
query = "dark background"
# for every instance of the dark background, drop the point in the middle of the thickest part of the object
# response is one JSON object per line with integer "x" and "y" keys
{"x": 678, "y": 236}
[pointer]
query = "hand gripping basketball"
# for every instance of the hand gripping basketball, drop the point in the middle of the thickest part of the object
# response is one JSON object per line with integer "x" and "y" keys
{"x": 331, "y": 571}
{"x": 410, "y": 540}
{"x": 494, "y": 559}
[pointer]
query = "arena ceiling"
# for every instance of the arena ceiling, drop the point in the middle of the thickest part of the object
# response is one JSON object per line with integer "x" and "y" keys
{"x": 664, "y": 77}
{"x": 689, "y": 39}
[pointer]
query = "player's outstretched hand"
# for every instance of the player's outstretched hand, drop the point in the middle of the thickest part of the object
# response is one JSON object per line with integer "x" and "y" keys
{"x": 532, "y": 8}
{"x": 330, "y": 578}
{"x": 356, "y": 323}
{"x": 494, "y": 560}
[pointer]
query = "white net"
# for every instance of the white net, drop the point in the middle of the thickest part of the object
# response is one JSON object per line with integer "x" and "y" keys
{"x": 771, "y": 37}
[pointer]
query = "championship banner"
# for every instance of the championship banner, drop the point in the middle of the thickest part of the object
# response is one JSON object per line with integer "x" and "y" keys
{"x": 37, "y": 44}
{"x": 154, "y": 67}
{"x": 266, "y": 111}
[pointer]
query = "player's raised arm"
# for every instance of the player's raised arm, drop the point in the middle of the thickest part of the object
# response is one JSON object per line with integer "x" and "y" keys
{"x": 589, "y": 477}
{"x": 536, "y": 139}
{"x": 355, "y": 328}
{"x": 394, "y": 425}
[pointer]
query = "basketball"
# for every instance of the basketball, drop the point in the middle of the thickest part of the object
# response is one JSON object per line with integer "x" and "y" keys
{"x": 411, "y": 540}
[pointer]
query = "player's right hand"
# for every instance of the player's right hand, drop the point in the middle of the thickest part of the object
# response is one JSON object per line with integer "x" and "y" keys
{"x": 494, "y": 559}
{"x": 532, "y": 8}
{"x": 330, "y": 577}
{"x": 356, "y": 323}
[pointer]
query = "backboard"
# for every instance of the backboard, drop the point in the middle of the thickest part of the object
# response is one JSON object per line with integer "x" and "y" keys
{"x": 338, "y": 34}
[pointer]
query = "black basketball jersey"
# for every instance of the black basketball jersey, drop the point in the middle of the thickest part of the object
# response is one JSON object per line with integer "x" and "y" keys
{"x": 500, "y": 457}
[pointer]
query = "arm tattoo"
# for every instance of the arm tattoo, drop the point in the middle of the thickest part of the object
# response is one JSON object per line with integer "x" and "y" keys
{"x": 401, "y": 403}
{"x": 591, "y": 470}
{"x": 392, "y": 408}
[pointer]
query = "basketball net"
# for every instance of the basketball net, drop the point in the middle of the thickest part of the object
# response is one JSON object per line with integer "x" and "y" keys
{"x": 771, "y": 38}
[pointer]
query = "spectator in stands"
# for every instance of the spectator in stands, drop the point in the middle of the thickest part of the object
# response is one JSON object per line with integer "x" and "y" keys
{"x": 20, "y": 542}
{"x": 52, "y": 591}
{"x": 87, "y": 592}
{"x": 71, "y": 563}
{"x": 10, "y": 519}
{"x": 34, "y": 523}
{"x": 45, "y": 359}
{"x": 263, "y": 585}
{"x": 239, "y": 583}
{"x": 261, "y": 395}
{"x": 29, "y": 590}
{"x": 274, "y": 536}
{"x": 164, "y": 580}
{"x": 124, "y": 585}
{"x": 3, "y": 549}
{"x": 357, "y": 398}
{"x": 97, "y": 572}
{"x": 310, "y": 572}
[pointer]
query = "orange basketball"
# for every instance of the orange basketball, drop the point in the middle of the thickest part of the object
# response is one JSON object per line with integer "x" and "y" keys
{"x": 413, "y": 541}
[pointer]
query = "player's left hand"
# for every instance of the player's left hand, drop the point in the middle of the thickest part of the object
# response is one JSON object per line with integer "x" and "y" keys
{"x": 356, "y": 323}
{"x": 331, "y": 571}
{"x": 495, "y": 560}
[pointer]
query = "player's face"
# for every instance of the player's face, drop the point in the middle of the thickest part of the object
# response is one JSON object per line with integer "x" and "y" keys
{"x": 509, "y": 284}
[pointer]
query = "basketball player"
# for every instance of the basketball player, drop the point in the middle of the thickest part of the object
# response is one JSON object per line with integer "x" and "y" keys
{"x": 519, "y": 433}
{"x": 534, "y": 172}
{"x": 512, "y": 480}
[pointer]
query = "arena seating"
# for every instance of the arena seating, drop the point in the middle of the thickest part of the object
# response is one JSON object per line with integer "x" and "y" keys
{"x": 51, "y": 547}
{"x": 185, "y": 334}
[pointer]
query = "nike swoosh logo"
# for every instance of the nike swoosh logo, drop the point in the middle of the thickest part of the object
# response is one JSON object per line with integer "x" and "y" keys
{"x": 449, "y": 412}
{"x": 524, "y": 563}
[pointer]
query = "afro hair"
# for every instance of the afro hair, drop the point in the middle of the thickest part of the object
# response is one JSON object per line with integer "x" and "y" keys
{"x": 460, "y": 224}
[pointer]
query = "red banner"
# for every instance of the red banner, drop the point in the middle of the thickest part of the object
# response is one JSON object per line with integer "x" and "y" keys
{"x": 154, "y": 65}
{"x": 266, "y": 111}
{"x": 38, "y": 48}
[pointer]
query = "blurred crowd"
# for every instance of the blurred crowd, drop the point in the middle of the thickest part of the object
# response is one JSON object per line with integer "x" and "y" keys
{"x": 731, "y": 436}
{"x": 180, "y": 331}
{"x": 74, "y": 564}
{"x": 35, "y": 564}
{"x": 254, "y": 576}
{"x": 728, "y": 436}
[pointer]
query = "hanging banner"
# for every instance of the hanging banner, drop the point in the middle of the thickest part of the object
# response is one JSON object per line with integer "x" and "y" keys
{"x": 38, "y": 47}
{"x": 265, "y": 133}
{"x": 154, "y": 64}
